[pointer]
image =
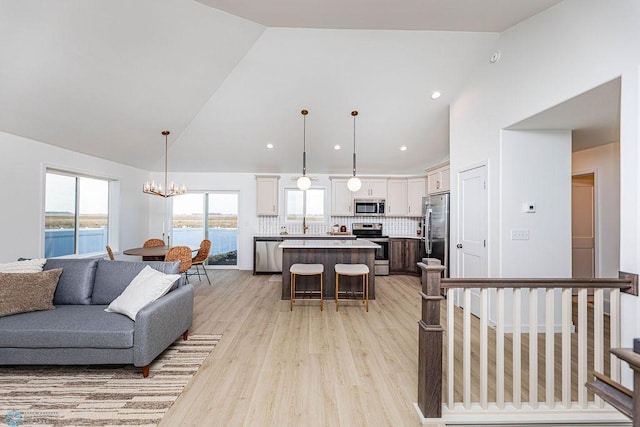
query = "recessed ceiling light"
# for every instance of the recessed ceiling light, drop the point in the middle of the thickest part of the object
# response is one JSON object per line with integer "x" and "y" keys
{"x": 337, "y": 147}
{"x": 403, "y": 148}
{"x": 435, "y": 94}
{"x": 270, "y": 146}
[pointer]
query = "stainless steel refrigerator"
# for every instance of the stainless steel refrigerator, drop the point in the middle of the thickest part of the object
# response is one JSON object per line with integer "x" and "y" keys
{"x": 435, "y": 228}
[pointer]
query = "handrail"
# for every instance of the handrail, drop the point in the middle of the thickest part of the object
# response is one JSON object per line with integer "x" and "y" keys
{"x": 430, "y": 330}
{"x": 624, "y": 284}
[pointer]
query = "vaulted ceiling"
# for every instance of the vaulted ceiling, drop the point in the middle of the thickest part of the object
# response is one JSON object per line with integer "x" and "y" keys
{"x": 226, "y": 78}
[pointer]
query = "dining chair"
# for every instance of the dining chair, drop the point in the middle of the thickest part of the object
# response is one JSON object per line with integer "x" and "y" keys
{"x": 201, "y": 258}
{"x": 110, "y": 252}
{"x": 182, "y": 254}
{"x": 153, "y": 242}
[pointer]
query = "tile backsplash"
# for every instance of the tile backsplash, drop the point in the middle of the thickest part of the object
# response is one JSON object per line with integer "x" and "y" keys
{"x": 391, "y": 226}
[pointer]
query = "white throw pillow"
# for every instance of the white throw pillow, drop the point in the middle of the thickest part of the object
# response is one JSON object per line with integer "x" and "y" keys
{"x": 26, "y": 266}
{"x": 146, "y": 287}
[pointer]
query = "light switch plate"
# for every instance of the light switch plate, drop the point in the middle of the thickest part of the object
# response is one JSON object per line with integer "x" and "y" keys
{"x": 520, "y": 234}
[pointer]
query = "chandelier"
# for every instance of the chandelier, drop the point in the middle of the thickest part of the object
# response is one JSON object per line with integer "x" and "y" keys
{"x": 169, "y": 190}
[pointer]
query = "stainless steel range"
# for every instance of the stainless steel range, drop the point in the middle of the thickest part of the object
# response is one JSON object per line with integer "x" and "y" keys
{"x": 372, "y": 231}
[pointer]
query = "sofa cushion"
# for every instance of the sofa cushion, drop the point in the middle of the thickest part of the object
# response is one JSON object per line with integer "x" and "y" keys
{"x": 113, "y": 277}
{"x": 25, "y": 292}
{"x": 68, "y": 326}
{"x": 146, "y": 287}
{"x": 23, "y": 266}
{"x": 76, "y": 282}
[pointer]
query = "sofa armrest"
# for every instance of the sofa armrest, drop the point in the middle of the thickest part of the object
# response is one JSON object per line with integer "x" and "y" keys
{"x": 160, "y": 323}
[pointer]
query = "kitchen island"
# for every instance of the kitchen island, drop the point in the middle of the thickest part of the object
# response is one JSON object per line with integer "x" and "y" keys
{"x": 267, "y": 254}
{"x": 329, "y": 253}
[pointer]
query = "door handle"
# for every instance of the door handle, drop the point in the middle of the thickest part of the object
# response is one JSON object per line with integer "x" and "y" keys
{"x": 459, "y": 246}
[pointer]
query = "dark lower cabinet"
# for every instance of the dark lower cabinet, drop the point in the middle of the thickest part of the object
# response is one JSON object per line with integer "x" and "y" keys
{"x": 404, "y": 255}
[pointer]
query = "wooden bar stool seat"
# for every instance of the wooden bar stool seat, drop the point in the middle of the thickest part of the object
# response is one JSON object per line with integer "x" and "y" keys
{"x": 354, "y": 270}
{"x": 305, "y": 270}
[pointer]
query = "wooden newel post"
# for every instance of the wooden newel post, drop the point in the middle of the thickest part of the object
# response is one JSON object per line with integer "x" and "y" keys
{"x": 430, "y": 342}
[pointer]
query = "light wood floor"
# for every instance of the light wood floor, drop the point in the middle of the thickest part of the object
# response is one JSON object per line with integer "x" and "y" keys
{"x": 274, "y": 367}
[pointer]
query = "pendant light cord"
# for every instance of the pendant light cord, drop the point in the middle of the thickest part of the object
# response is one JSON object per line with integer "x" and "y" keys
{"x": 304, "y": 142}
{"x": 354, "y": 114}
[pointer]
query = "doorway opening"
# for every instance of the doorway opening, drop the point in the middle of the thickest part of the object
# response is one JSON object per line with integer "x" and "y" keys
{"x": 583, "y": 226}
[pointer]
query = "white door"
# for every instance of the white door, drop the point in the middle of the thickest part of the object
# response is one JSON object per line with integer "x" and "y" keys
{"x": 582, "y": 226}
{"x": 471, "y": 248}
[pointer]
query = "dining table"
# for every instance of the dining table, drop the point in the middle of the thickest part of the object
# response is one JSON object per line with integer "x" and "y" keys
{"x": 152, "y": 253}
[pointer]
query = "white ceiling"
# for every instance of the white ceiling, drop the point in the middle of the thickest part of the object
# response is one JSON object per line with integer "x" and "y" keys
{"x": 106, "y": 77}
{"x": 436, "y": 15}
{"x": 593, "y": 117}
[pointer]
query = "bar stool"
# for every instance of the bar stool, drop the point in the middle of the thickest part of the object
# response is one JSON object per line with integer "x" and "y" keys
{"x": 305, "y": 270}
{"x": 354, "y": 270}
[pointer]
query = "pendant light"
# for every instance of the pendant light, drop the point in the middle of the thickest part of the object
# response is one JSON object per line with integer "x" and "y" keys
{"x": 304, "y": 182}
{"x": 169, "y": 190}
{"x": 354, "y": 182}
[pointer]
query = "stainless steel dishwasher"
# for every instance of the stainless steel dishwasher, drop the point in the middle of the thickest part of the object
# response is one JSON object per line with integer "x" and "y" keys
{"x": 267, "y": 256}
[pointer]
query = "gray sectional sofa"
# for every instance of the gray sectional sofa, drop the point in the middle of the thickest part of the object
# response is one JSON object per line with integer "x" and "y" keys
{"x": 79, "y": 332}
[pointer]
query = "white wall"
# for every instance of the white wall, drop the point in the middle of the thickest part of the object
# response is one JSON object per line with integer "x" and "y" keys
{"x": 538, "y": 164}
{"x": 604, "y": 162}
{"x": 22, "y": 171}
{"x": 568, "y": 49}
{"x": 536, "y": 167}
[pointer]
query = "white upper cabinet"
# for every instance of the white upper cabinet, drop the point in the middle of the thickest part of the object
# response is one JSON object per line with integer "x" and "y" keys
{"x": 341, "y": 198}
{"x": 438, "y": 179}
{"x": 416, "y": 190}
{"x": 267, "y": 195}
{"x": 372, "y": 188}
{"x": 396, "y": 204}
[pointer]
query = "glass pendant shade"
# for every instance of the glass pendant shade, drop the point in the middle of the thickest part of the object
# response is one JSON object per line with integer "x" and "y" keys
{"x": 304, "y": 183}
{"x": 354, "y": 184}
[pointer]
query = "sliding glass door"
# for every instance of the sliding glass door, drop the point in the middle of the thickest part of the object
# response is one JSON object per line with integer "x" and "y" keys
{"x": 210, "y": 215}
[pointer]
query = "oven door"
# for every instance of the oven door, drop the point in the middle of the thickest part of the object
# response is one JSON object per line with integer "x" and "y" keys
{"x": 381, "y": 256}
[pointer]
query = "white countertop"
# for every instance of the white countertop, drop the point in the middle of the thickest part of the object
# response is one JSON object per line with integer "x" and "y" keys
{"x": 327, "y": 244}
{"x": 307, "y": 236}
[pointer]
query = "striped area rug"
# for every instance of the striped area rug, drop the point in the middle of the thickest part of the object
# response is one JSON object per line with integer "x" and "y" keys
{"x": 105, "y": 395}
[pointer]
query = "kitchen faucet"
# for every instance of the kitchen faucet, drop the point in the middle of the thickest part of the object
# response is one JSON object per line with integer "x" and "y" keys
{"x": 304, "y": 225}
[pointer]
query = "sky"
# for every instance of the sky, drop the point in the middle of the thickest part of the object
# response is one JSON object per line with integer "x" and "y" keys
{"x": 60, "y": 194}
{"x": 193, "y": 203}
{"x": 94, "y": 199}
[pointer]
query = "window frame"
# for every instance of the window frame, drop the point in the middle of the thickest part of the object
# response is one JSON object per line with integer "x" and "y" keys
{"x": 113, "y": 221}
{"x": 205, "y": 194}
{"x": 288, "y": 221}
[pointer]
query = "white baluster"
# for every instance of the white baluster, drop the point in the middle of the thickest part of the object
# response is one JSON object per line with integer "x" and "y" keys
{"x": 517, "y": 348}
{"x": 533, "y": 348}
{"x": 566, "y": 346}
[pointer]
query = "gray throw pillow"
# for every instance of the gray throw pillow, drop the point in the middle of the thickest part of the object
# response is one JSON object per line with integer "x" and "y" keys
{"x": 24, "y": 292}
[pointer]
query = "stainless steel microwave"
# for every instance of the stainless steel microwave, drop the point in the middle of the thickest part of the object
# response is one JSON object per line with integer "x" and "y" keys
{"x": 369, "y": 207}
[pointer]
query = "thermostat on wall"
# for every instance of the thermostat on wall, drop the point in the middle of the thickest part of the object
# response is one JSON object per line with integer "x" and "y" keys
{"x": 529, "y": 207}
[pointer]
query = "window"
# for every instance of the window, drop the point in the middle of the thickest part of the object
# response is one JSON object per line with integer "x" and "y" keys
{"x": 219, "y": 210}
{"x": 76, "y": 218}
{"x": 304, "y": 204}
